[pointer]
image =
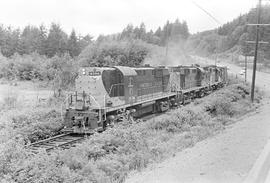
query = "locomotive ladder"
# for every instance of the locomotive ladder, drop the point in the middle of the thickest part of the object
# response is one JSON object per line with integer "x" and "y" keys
{"x": 63, "y": 141}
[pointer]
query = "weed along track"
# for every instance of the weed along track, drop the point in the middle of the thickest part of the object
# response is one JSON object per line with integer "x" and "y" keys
{"x": 63, "y": 141}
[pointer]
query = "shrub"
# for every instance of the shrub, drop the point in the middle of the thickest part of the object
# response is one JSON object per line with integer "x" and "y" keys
{"x": 11, "y": 152}
{"x": 34, "y": 124}
{"x": 61, "y": 70}
{"x": 113, "y": 52}
{"x": 10, "y": 101}
{"x": 224, "y": 102}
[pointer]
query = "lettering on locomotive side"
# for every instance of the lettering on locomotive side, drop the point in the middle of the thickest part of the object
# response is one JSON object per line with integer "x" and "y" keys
{"x": 94, "y": 73}
{"x": 147, "y": 85}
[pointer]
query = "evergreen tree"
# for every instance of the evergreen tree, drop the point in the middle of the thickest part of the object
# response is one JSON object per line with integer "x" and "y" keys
{"x": 30, "y": 40}
{"x": 142, "y": 32}
{"x": 42, "y": 39}
{"x": 73, "y": 45}
{"x": 10, "y": 41}
{"x": 56, "y": 41}
{"x": 185, "y": 31}
{"x": 167, "y": 29}
{"x": 127, "y": 32}
{"x": 158, "y": 32}
{"x": 177, "y": 30}
{"x": 136, "y": 33}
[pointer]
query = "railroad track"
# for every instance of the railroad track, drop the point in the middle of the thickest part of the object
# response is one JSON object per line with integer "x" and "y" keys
{"x": 63, "y": 141}
{"x": 67, "y": 140}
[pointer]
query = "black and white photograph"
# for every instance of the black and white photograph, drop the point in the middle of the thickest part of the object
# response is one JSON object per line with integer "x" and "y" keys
{"x": 134, "y": 91}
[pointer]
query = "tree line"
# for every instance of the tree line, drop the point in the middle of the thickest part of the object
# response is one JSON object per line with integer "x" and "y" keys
{"x": 54, "y": 41}
{"x": 39, "y": 39}
{"x": 133, "y": 45}
{"x": 233, "y": 36}
{"x": 171, "y": 32}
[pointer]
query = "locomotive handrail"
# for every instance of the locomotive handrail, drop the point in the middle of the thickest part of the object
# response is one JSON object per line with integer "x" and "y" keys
{"x": 153, "y": 86}
{"x": 109, "y": 94}
{"x": 91, "y": 98}
{"x": 113, "y": 85}
{"x": 65, "y": 102}
{"x": 85, "y": 95}
{"x": 99, "y": 113}
{"x": 105, "y": 117}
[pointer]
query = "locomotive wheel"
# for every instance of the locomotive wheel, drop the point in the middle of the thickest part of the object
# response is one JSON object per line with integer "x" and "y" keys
{"x": 202, "y": 94}
{"x": 110, "y": 120}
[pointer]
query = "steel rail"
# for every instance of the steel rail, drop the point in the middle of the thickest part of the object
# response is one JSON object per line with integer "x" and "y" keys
{"x": 55, "y": 142}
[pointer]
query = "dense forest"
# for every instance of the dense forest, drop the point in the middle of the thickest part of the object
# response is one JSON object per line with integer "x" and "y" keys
{"x": 41, "y": 40}
{"x": 50, "y": 54}
{"x": 133, "y": 45}
{"x": 54, "y": 41}
{"x": 232, "y": 36}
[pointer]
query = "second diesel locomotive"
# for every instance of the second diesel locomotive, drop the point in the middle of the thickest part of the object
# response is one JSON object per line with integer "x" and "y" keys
{"x": 104, "y": 94}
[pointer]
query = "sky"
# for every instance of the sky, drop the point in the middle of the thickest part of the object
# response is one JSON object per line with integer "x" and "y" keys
{"x": 96, "y": 17}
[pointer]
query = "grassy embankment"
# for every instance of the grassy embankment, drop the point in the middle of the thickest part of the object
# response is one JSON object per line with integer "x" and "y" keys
{"x": 111, "y": 155}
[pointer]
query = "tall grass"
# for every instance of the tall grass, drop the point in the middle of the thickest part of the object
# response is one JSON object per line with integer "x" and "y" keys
{"x": 29, "y": 120}
{"x": 9, "y": 101}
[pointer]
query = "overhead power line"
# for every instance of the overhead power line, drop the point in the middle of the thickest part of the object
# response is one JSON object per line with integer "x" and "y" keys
{"x": 209, "y": 14}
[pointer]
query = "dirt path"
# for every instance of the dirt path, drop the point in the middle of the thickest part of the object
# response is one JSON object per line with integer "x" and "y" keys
{"x": 227, "y": 157}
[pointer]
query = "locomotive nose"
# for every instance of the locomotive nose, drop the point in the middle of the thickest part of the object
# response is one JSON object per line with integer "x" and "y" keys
{"x": 79, "y": 105}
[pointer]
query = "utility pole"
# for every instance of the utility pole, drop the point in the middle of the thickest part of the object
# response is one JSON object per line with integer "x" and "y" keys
{"x": 251, "y": 42}
{"x": 256, "y": 46}
{"x": 245, "y": 68}
{"x": 256, "y": 50}
{"x": 216, "y": 60}
{"x": 167, "y": 40}
{"x": 167, "y": 49}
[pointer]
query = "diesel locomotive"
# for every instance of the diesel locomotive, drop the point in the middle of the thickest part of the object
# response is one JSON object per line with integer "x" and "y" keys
{"x": 105, "y": 95}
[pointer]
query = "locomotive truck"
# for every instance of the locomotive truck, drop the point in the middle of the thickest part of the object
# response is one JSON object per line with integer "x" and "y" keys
{"x": 105, "y": 94}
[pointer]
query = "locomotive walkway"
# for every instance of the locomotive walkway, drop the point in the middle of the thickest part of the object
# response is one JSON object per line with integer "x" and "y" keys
{"x": 227, "y": 157}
